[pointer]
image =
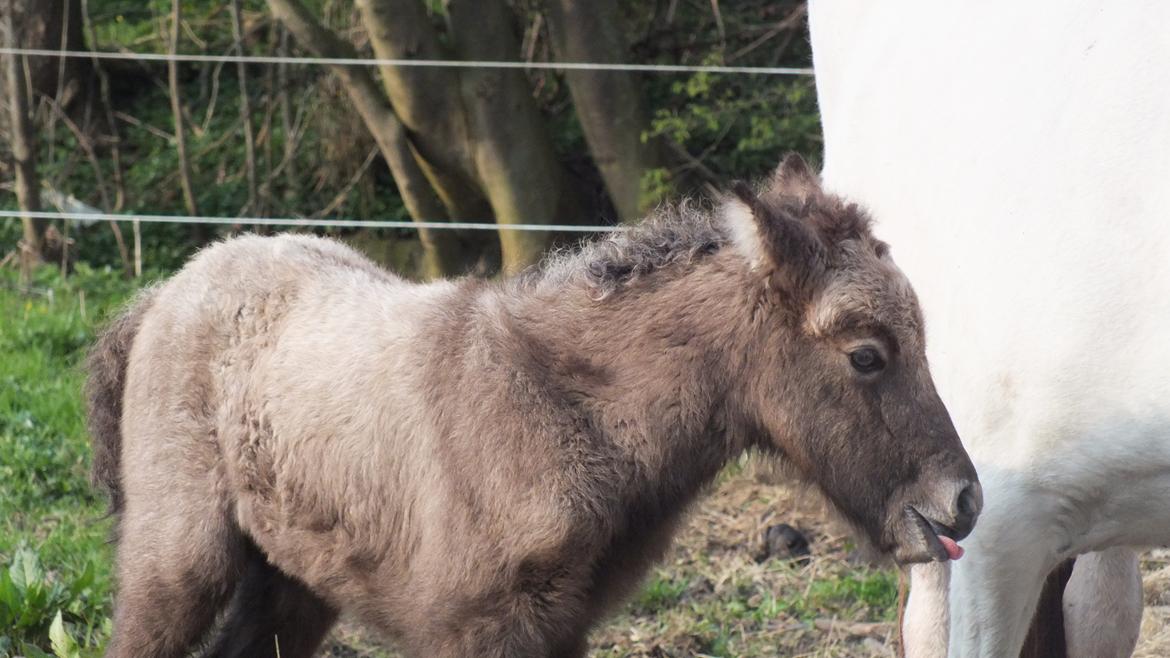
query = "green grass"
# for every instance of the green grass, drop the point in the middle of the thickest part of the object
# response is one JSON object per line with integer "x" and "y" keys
{"x": 54, "y": 558}
{"x": 753, "y": 612}
{"x": 661, "y": 592}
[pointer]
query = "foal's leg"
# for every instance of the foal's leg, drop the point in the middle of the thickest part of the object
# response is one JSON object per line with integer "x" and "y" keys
{"x": 270, "y": 615}
{"x": 506, "y": 648}
{"x": 926, "y": 618}
{"x": 178, "y": 558}
{"x": 507, "y": 626}
{"x": 1103, "y": 604}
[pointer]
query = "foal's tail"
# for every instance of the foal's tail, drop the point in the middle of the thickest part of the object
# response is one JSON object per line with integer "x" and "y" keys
{"x": 104, "y": 387}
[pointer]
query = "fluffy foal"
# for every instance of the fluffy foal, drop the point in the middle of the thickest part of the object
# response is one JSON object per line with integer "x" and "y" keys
{"x": 480, "y": 468}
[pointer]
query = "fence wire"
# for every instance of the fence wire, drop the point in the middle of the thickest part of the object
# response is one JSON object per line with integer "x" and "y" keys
{"x": 88, "y": 217}
{"x": 422, "y": 63}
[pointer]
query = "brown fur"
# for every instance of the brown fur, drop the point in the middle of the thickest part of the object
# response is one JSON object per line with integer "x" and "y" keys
{"x": 106, "y": 365}
{"x": 485, "y": 468}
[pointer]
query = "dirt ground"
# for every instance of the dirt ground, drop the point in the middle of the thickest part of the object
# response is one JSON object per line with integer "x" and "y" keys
{"x": 713, "y": 598}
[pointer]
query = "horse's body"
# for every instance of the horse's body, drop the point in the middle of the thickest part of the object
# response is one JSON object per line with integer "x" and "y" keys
{"x": 1017, "y": 155}
{"x": 480, "y": 468}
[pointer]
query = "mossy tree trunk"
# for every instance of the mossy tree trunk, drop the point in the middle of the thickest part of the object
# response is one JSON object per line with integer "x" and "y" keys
{"x": 477, "y": 132}
{"x": 609, "y": 104}
{"x": 471, "y": 143}
{"x": 441, "y": 254}
{"x": 512, "y": 150}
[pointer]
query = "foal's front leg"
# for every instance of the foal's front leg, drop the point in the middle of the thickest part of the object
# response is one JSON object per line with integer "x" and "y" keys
{"x": 926, "y": 618}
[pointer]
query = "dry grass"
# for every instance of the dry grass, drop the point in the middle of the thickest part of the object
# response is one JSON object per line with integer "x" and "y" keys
{"x": 1154, "y": 641}
{"x": 711, "y": 597}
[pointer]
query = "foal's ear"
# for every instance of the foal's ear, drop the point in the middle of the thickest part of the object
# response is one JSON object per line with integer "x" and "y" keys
{"x": 774, "y": 242}
{"x": 794, "y": 178}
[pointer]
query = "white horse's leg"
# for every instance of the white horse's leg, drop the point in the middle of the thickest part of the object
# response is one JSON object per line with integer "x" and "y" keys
{"x": 996, "y": 585}
{"x": 1103, "y": 604}
{"x": 993, "y": 598}
{"x": 925, "y": 621}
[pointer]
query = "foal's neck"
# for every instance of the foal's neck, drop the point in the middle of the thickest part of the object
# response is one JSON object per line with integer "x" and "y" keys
{"x": 655, "y": 365}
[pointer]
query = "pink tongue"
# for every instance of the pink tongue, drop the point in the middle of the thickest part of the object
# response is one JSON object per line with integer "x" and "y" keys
{"x": 954, "y": 551}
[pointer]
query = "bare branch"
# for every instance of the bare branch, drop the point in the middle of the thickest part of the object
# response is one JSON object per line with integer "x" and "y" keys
{"x": 108, "y": 107}
{"x": 52, "y": 127}
{"x": 609, "y": 104}
{"x": 23, "y": 151}
{"x": 86, "y": 145}
{"x": 719, "y": 21}
{"x": 789, "y": 23}
{"x": 344, "y": 193}
{"x": 245, "y": 109}
{"x": 138, "y": 123}
{"x": 286, "y": 116}
{"x": 177, "y": 111}
{"x": 210, "y": 112}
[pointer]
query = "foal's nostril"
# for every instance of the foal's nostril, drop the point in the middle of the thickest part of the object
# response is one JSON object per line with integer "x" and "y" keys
{"x": 968, "y": 505}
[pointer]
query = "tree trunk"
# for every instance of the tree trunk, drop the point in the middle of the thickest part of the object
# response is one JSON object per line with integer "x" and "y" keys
{"x": 40, "y": 25}
{"x": 245, "y": 109}
{"x": 512, "y": 149}
{"x": 441, "y": 254}
{"x": 23, "y": 150}
{"x": 467, "y": 124}
{"x": 609, "y": 104}
{"x": 473, "y": 134}
{"x": 426, "y": 101}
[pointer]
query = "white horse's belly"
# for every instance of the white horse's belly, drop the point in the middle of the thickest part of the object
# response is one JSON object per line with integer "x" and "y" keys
{"x": 1028, "y": 200}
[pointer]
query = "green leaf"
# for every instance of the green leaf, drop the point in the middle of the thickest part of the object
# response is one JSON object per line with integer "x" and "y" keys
{"x": 9, "y": 596}
{"x": 83, "y": 580}
{"x": 64, "y": 646}
{"x": 25, "y": 570}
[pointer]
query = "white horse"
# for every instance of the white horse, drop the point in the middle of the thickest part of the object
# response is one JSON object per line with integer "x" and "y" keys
{"x": 1017, "y": 157}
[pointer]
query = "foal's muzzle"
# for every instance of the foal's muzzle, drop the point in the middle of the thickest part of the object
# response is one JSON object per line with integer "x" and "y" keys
{"x": 933, "y": 525}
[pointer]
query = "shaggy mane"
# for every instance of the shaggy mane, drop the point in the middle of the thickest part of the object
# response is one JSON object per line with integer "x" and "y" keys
{"x": 673, "y": 234}
{"x": 688, "y": 231}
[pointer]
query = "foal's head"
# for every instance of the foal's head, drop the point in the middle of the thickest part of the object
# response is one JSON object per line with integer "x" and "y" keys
{"x": 836, "y": 379}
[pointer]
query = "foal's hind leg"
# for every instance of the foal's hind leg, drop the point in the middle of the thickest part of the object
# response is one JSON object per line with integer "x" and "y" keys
{"x": 178, "y": 560}
{"x": 270, "y": 615}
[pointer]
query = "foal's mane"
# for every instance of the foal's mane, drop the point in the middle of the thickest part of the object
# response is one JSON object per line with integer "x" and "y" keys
{"x": 688, "y": 231}
{"x": 673, "y": 234}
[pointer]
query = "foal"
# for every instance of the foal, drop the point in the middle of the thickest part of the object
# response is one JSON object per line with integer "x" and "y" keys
{"x": 483, "y": 468}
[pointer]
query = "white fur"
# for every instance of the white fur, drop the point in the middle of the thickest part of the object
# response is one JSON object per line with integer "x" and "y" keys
{"x": 1103, "y": 604}
{"x": 926, "y": 614}
{"x": 1016, "y": 155}
{"x": 744, "y": 231}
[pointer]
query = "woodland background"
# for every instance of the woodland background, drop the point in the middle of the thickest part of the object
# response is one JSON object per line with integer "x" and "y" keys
{"x": 473, "y": 144}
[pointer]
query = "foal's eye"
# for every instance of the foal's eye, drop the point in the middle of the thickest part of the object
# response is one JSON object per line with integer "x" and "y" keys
{"x": 866, "y": 360}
